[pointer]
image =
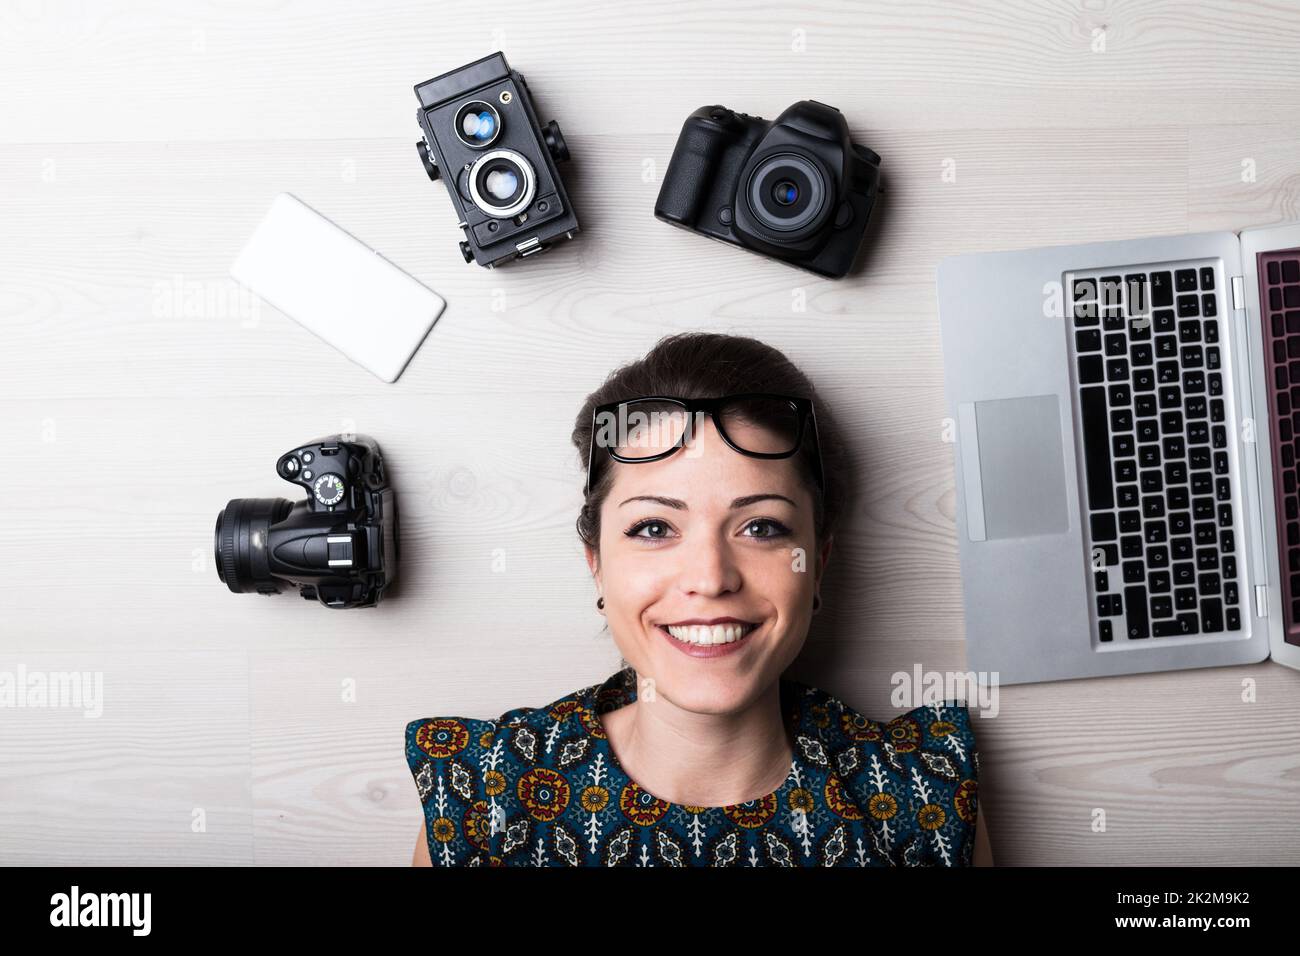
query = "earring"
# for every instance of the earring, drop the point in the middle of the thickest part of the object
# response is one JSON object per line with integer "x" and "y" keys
{"x": 600, "y": 604}
{"x": 817, "y": 603}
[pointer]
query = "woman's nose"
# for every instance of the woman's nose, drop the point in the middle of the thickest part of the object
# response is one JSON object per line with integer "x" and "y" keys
{"x": 709, "y": 568}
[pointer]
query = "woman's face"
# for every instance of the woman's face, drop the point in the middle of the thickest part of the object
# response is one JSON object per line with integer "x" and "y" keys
{"x": 706, "y": 536}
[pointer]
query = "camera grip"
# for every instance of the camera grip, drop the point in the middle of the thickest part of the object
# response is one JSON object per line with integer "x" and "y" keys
{"x": 690, "y": 170}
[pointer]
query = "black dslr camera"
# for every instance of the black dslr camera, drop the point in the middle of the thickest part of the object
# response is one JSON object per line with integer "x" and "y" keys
{"x": 795, "y": 189}
{"x": 483, "y": 139}
{"x": 339, "y": 546}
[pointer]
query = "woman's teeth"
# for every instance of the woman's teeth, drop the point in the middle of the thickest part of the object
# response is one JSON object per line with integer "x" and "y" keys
{"x": 709, "y": 634}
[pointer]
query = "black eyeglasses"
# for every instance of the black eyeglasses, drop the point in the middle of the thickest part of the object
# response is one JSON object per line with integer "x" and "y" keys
{"x": 757, "y": 424}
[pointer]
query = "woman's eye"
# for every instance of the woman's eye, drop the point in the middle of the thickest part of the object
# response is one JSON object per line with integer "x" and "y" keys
{"x": 765, "y": 528}
{"x": 657, "y": 529}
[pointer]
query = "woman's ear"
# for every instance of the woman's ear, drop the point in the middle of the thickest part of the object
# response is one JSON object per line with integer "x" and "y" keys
{"x": 593, "y": 563}
{"x": 823, "y": 558}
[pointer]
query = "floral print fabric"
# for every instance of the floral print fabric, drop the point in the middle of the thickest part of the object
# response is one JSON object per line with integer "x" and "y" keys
{"x": 540, "y": 786}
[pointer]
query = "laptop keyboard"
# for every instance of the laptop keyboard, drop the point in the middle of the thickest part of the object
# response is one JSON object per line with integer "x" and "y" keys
{"x": 1159, "y": 494}
{"x": 1279, "y": 296}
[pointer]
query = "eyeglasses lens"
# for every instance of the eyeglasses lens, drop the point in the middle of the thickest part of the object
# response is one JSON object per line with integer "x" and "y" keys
{"x": 768, "y": 426}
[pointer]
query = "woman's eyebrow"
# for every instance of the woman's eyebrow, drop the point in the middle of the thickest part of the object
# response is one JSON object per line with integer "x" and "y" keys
{"x": 748, "y": 500}
{"x": 680, "y": 505}
{"x": 658, "y": 499}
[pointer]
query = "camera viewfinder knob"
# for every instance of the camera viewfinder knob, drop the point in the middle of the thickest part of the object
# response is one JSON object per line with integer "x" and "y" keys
{"x": 426, "y": 160}
{"x": 555, "y": 141}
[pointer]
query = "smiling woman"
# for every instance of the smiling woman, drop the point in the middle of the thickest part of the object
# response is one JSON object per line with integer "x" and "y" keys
{"x": 710, "y": 510}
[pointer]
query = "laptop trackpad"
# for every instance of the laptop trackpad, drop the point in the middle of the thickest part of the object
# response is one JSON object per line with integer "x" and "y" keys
{"x": 1020, "y": 466}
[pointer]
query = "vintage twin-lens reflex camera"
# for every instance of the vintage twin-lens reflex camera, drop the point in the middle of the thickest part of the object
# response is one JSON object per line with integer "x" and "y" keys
{"x": 483, "y": 139}
{"x": 339, "y": 546}
{"x": 795, "y": 189}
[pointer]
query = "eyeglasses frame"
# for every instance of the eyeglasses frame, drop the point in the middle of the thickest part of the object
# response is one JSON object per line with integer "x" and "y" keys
{"x": 802, "y": 406}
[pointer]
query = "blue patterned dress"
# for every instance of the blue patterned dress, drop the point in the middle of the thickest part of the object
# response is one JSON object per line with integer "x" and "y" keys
{"x": 540, "y": 786}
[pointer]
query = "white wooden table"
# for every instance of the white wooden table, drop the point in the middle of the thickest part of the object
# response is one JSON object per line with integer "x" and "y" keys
{"x": 141, "y": 142}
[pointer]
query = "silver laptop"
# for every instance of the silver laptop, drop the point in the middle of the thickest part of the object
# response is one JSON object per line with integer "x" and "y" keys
{"x": 1127, "y": 419}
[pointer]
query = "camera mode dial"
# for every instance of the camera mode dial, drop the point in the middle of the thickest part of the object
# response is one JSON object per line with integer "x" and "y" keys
{"x": 328, "y": 489}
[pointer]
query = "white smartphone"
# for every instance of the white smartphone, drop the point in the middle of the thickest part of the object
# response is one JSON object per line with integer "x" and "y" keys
{"x": 331, "y": 283}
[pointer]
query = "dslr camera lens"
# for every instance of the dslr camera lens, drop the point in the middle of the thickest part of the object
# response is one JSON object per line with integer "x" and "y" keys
{"x": 786, "y": 193}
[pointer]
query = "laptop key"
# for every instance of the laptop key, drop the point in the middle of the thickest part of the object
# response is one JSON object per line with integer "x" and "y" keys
{"x": 1112, "y": 288}
{"x": 1103, "y": 526}
{"x": 1096, "y": 447}
{"x": 1135, "y": 600}
{"x": 1211, "y": 615}
{"x": 1162, "y": 289}
{"x": 1136, "y": 287}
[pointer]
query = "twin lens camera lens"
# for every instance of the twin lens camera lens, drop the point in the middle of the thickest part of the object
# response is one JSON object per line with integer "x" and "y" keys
{"x": 502, "y": 182}
{"x": 477, "y": 124}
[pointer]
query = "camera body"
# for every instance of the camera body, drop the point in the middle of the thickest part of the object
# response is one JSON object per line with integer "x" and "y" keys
{"x": 339, "y": 546}
{"x": 483, "y": 139}
{"x": 794, "y": 189}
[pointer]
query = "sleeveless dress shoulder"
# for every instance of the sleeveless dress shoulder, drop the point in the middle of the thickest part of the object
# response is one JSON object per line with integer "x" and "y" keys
{"x": 541, "y": 786}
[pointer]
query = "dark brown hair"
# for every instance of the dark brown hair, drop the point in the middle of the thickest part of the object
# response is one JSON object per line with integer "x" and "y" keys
{"x": 710, "y": 365}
